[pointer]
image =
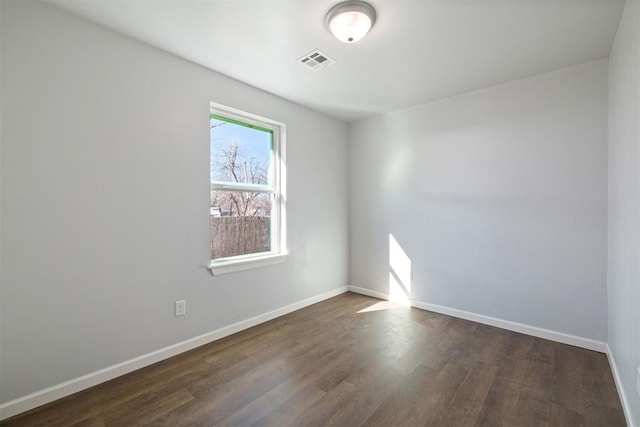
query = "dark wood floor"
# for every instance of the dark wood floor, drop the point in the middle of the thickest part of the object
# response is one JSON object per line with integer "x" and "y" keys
{"x": 343, "y": 363}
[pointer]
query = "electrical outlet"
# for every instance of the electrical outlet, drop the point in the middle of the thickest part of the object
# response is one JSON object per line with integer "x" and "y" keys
{"x": 638, "y": 380}
{"x": 181, "y": 308}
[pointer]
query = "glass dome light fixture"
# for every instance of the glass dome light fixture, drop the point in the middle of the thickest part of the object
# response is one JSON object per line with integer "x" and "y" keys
{"x": 350, "y": 21}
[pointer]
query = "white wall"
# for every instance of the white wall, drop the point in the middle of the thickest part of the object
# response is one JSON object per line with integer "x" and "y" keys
{"x": 105, "y": 201}
{"x": 497, "y": 197}
{"x": 0, "y": 201}
{"x": 624, "y": 204}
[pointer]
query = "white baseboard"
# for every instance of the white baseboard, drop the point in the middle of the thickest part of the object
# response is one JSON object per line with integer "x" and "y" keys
{"x": 42, "y": 397}
{"x": 369, "y": 292}
{"x": 623, "y": 396}
{"x": 499, "y": 323}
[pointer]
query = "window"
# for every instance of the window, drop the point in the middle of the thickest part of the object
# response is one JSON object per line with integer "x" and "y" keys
{"x": 247, "y": 208}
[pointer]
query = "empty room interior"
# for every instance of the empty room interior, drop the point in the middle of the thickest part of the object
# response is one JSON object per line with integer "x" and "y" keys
{"x": 402, "y": 213}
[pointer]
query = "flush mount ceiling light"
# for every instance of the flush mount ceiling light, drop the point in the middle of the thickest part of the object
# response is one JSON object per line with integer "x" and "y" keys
{"x": 350, "y": 21}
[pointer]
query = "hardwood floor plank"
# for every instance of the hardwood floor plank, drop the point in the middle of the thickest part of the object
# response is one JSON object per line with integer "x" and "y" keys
{"x": 466, "y": 406}
{"x": 499, "y": 408}
{"x": 286, "y": 413}
{"x": 218, "y": 402}
{"x": 369, "y": 397}
{"x": 515, "y": 368}
{"x": 494, "y": 344}
{"x": 90, "y": 422}
{"x": 563, "y": 417}
{"x": 519, "y": 345}
{"x": 332, "y": 402}
{"x": 353, "y": 360}
{"x": 403, "y": 399}
{"x": 540, "y": 373}
{"x": 532, "y": 407}
{"x": 599, "y": 415}
{"x": 145, "y": 410}
{"x": 598, "y": 381}
{"x": 568, "y": 385}
{"x": 305, "y": 381}
{"x": 431, "y": 408}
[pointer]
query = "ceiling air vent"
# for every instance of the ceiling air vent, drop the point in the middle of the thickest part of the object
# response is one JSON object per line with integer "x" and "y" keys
{"x": 316, "y": 60}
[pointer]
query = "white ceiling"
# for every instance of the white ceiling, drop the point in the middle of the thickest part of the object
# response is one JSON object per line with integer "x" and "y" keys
{"x": 417, "y": 51}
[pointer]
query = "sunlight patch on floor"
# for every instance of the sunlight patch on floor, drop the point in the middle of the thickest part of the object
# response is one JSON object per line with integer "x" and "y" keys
{"x": 383, "y": 305}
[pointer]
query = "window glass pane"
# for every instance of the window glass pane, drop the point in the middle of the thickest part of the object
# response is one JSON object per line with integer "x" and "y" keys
{"x": 246, "y": 209}
{"x": 240, "y": 223}
{"x": 240, "y": 153}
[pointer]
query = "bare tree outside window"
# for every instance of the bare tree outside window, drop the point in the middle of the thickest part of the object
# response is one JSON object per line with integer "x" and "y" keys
{"x": 232, "y": 165}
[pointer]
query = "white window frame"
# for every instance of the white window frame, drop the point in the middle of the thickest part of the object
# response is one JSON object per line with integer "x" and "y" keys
{"x": 278, "y": 251}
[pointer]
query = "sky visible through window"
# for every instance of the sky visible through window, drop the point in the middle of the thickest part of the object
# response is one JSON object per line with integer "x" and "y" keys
{"x": 254, "y": 145}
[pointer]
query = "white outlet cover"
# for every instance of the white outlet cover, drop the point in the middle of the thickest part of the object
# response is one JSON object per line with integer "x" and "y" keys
{"x": 638, "y": 380}
{"x": 180, "y": 308}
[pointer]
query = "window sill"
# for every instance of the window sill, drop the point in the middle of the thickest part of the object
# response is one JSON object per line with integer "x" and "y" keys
{"x": 223, "y": 267}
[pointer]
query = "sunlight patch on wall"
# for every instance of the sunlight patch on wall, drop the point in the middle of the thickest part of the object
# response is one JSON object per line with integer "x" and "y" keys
{"x": 400, "y": 273}
{"x": 396, "y": 291}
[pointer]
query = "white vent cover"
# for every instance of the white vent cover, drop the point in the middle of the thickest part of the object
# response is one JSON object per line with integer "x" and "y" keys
{"x": 316, "y": 60}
